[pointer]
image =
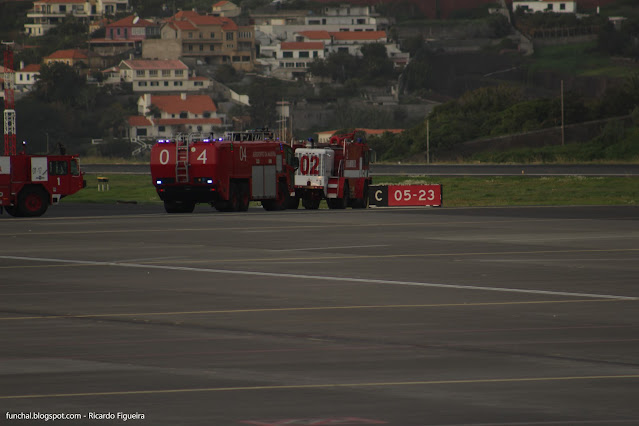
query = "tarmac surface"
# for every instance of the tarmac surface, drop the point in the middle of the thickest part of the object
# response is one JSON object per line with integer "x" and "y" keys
{"x": 415, "y": 316}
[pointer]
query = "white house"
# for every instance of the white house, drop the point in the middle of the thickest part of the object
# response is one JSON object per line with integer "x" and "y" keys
{"x": 290, "y": 59}
{"x": 166, "y": 115}
{"x": 160, "y": 75}
{"x": 558, "y": 6}
{"x": 26, "y": 77}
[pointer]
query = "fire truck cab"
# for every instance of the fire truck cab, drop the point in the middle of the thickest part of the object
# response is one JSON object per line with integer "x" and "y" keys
{"x": 30, "y": 183}
{"x": 227, "y": 172}
{"x": 338, "y": 172}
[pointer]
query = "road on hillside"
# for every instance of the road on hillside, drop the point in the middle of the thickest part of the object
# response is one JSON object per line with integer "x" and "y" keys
{"x": 440, "y": 170}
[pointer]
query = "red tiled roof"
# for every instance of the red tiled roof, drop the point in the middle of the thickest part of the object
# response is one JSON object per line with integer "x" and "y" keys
{"x": 316, "y": 35}
{"x": 199, "y": 20}
{"x": 177, "y": 121}
{"x": 59, "y": 1}
{"x": 198, "y": 78}
{"x": 68, "y": 54}
{"x": 302, "y": 45}
{"x": 128, "y": 22}
{"x": 358, "y": 35}
{"x": 31, "y": 68}
{"x": 220, "y": 3}
{"x": 139, "y": 120}
{"x": 174, "y": 104}
{"x": 155, "y": 64}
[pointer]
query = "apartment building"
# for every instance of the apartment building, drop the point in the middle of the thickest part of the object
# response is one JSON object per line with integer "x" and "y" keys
{"x": 210, "y": 39}
{"x": 47, "y": 14}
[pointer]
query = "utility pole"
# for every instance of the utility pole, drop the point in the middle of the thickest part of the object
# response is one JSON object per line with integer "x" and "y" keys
{"x": 427, "y": 141}
{"x": 563, "y": 132}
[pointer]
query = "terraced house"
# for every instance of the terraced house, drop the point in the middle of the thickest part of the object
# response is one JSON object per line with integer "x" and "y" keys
{"x": 210, "y": 39}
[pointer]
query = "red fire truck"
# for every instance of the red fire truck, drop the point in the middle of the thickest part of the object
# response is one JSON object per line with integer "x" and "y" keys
{"x": 227, "y": 173}
{"x": 30, "y": 183}
{"x": 338, "y": 172}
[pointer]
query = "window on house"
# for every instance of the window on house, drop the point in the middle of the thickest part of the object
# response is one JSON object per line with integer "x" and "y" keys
{"x": 549, "y": 6}
{"x": 198, "y": 84}
{"x": 179, "y": 73}
{"x": 229, "y": 36}
{"x": 140, "y": 73}
{"x": 184, "y": 114}
{"x": 153, "y": 73}
{"x": 63, "y": 8}
{"x": 166, "y": 73}
{"x": 206, "y": 114}
{"x": 342, "y": 49}
{"x": 166, "y": 84}
{"x": 211, "y": 48}
{"x": 199, "y": 128}
{"x": 190, "y": 48}
{"x": 246, "y": 59}
{"x": 315, "y": 54}
{"x": 299, "y": 65}
{"x": 140, "y": 132}
{"x": 212, "y": 35}
{"x": 190, "y": 35}
{"x": 304, "y": 55}
{"x": 287, "y": 54}
{"x": 155, "y": 83}
{"x": 562, "y": 6}
{"x": 141, "y": 83}
{"x": 177, "y": 83}
{"x": 161, "y": 128}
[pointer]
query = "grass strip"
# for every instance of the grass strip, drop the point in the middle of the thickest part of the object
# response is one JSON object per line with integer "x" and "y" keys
{"x": 458, "y": 191}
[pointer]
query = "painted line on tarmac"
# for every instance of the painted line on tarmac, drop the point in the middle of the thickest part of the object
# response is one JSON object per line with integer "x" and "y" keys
{"x": 325, "y": 386}
{"x": 304, "y": 309}
{"x": 322, "y": 278}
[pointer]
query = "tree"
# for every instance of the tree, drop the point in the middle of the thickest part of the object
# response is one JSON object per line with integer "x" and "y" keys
{"x": 59, "y": 82}
{"x": 375, "y": 62}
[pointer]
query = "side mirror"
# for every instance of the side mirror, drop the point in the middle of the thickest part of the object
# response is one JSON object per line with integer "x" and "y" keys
{"x": 373, "y": 156}
{"x": 296, "y": 163}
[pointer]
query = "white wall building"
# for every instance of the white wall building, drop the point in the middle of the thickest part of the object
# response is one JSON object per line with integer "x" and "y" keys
{"x": 557, "y": 6}
{"x": 160, "y": 75}
{"x": 47, "y": 14}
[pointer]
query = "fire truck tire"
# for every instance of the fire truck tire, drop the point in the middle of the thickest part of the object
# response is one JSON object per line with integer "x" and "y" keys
{"x": 179, "y": 206}
{"x": 12, "y": 210}
{"x": 32, "y": 202}
{"x": 361, "y": 203}
{"x": 340, "y": 203}
{"x": 294, "y": 203}
{"x": 244, "y": 197}
{"x": 311, "y": 204}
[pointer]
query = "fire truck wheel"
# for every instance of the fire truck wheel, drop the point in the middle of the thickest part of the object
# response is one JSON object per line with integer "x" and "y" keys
{"x": 293, "y": 203}
{"x": 362, "y": 203}
{"x": 244, "y": 197}
{"x": 311, "y": 204}
{"x": 340, "y": 203}
{"x": 12, "y": 210}
{"x": 32, "y": 202}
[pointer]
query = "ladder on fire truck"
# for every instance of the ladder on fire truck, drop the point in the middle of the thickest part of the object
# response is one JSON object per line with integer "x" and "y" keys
{"x": 182, "y": 159}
